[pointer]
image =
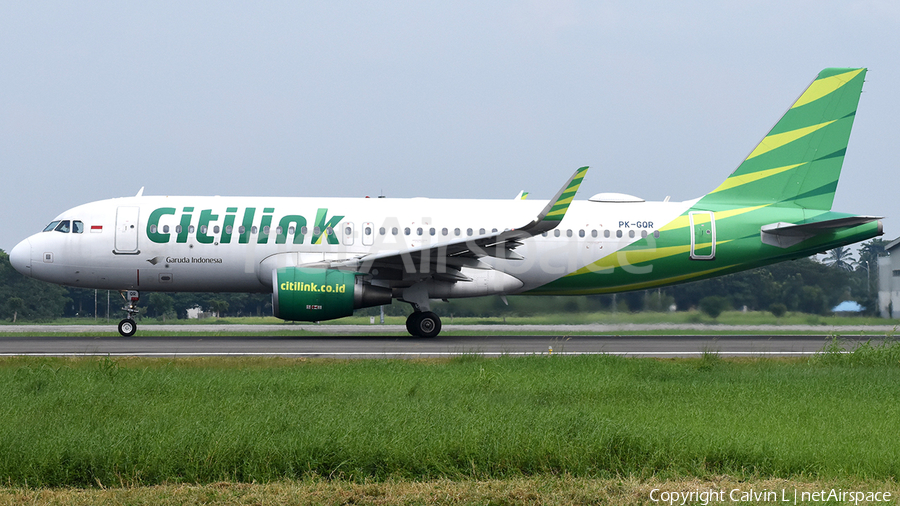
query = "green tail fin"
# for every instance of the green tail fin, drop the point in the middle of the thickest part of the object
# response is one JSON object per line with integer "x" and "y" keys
{"x": 799, "y": 162}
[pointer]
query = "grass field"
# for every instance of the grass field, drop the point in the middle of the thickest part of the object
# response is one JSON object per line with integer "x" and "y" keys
{"x": 541, "y": 490}
{"x": 134, "y": 422}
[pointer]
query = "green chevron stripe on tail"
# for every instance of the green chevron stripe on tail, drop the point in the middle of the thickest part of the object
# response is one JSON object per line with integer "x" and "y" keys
{"x": 799, "y": 162}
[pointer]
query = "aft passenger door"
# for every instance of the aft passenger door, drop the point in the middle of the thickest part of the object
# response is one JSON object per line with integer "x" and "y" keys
{"x": 703, "y": 235}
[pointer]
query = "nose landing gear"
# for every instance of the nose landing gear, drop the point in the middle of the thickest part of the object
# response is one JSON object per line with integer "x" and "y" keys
{"x": 128, "y": 327}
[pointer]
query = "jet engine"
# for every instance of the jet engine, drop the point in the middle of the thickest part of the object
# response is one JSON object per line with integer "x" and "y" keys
{"x": 302, "y": 294}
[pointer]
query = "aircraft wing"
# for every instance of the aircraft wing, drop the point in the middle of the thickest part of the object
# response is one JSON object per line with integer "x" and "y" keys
{"x": 464, "y": 252}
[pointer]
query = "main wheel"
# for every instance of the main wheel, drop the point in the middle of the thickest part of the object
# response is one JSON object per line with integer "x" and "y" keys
{"x": 411, "y": 322}
{"x": 425, "y": 324}
{"x": 127, "y": 327}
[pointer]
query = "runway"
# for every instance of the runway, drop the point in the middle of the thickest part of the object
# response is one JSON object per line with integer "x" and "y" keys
{"x": 373, "y": 346}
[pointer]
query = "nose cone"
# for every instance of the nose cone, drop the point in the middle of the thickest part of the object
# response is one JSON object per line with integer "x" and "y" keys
{"x": 20, "y": 257}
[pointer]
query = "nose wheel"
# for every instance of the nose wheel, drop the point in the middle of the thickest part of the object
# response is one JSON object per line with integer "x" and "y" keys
{"x": 423, "y": 324}
{"x": 128, "y": 327}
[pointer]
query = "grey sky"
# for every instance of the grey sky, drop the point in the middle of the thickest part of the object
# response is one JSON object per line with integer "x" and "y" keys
{"x": 458, "y": 99}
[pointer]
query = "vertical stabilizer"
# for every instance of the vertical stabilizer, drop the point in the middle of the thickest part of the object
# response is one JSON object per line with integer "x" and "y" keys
{"x": 799, "y": 162}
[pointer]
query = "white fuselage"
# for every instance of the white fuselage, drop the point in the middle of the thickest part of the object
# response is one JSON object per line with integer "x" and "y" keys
{"x": 232, "y": 244}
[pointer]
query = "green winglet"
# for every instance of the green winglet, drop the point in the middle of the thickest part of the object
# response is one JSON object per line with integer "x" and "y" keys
{"x": 560, "y": 203}
{"x": 556, "y": 209}
{"x": 799, "y": 162}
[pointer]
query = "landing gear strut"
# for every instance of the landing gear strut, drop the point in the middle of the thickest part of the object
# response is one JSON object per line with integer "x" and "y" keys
{"x": 127, "y": 327}
{"x": 423, "y": 324}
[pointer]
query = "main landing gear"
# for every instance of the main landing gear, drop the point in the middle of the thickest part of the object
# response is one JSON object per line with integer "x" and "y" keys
{"x": 423, "y": 324}
{"x": 127, "y": 327}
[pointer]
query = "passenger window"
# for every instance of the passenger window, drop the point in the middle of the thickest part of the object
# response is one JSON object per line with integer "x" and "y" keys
{"x": 381, "y": 231}
{"x": 456, "y": 232}
{"x": 593, "y": 233}
{"x": 406, "y": 231}
{"x": 152, "y": 229}
{"x": 631, "y": 233}
{"x": 656, "y": 233}
{"x": 166, "y": 229}
{"x": 368, "y": 230}
{"x": 569, "y": 233}
{"x": 77, "y": 227}
{"x": 556, "y": 233}
{"x": 348, "y": 231}
{"x": 291, "y": 230}
{"x": 177, "y": 229}
{"x": 618, "y": 233}
{"x": 606, "y": 233}
{"x": 493, "y": 230}
{"x": 431, "y": 231}
{"x": 191, "y": 229}
{"x": 444, "y": 231}
{"x": 544, "y": 234}
{"x": 394, "y": 231}
{"x": 419, "y": 231}
{"x": 278, "y": 230}
{"x": 216, "y": 229}
{"x": 317, "y": 230}
{"x": 480, "y": 231}
{"x": 253, "y": 229}
{"x": 203, "y": 229}
{"x": 469, "y": 232}
{"x": 63, "y": 227}
{"x": 228, "y": 229}
{"x": 643, "y": 233}
{"x": 581, "y": 233}
{"x": 51, "y": 227}
{"x": 304, "y": 230}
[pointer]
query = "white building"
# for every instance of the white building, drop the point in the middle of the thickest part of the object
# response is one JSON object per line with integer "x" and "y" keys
{"x": 889, "y": 281}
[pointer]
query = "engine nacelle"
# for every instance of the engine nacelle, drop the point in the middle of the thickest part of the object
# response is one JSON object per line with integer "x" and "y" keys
{"x": 322, "y": 294}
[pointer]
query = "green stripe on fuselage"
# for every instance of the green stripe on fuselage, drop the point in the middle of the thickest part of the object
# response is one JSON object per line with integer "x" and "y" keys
{"x": 651, "y": 262}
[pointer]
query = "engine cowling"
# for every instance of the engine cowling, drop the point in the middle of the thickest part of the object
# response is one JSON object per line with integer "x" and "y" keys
{"x": 300, "y": 294}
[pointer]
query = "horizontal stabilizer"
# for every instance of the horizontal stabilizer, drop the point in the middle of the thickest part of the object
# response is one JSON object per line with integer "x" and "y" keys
{"x": 785, "y": 235}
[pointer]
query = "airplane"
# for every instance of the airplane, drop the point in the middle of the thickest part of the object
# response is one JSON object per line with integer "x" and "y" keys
{"x": 322, "y": 258}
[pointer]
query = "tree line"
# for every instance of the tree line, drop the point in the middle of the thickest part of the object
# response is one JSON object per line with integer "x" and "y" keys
{"x": 803, "y": 285}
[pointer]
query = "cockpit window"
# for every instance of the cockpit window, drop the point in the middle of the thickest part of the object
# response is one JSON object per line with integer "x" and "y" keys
{"x": 77, "y": 227}
{"x": 51, "y": 226}
{"x": 63, "y": 227}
